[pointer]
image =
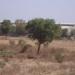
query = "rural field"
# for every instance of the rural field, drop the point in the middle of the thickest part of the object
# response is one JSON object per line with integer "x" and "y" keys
{"x": 58, "y": 58}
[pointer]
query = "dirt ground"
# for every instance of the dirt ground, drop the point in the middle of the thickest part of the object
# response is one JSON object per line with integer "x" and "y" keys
{"x": 46, "y": 63}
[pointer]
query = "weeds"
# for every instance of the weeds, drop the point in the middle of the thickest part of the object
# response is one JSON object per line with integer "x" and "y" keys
{"x": 21, "y": 43}
{"x": 24, "y": 46}
{"x": 58, "y": 55}
{"x": 12, "y": 43}
{"x": 6, "y": 53}
{"x": 2, "y": 64}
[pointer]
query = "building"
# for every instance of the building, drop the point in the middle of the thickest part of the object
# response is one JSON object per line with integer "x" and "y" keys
{"x": 69, "y": 27}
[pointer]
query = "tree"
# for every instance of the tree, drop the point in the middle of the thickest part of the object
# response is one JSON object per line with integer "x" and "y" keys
{"x": 64, "y": 33}
{"x": 13, "y": 30}
{"x": 73, "y": 33}
{"x": 20, "y": 26}
{"x": 42, "y": 30}
{"x": 5, "y": 26}
{"x": 57, "y": 31}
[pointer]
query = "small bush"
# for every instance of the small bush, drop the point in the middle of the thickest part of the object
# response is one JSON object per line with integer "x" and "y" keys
{"x": 25, "y": 47}
{"x": 12, "y": 43}
{"x": 59, "y": 55}
{"x": 6, "y": 53}
{"x": 21, "y": 43}
{"x": 2, "y": 64}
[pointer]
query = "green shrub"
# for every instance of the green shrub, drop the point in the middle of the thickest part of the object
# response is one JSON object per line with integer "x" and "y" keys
{"x": 59, "y": 55}
{"x": 2, "y": 64}
{"x": 21, "y": 43}
{"x": 6, "y": 53}
{"x": 12, "y": 43}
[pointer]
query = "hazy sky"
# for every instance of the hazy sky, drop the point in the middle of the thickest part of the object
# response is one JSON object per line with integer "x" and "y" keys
{"x": 63, "y": 11}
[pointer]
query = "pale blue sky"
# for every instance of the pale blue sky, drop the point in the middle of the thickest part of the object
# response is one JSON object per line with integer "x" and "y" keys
{"x": 63, "y": 11}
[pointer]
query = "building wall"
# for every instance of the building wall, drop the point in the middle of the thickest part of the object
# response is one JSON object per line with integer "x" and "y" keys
{"x": 68, "y": 27}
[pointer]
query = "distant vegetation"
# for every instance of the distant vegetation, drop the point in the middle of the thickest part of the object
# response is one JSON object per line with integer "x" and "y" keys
{"x": 18, "y": 28}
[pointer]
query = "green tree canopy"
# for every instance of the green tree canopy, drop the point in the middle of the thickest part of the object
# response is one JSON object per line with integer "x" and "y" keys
{"x": 64, "y": 33}
{"x": 5, "y": 26}
{"x": 20, "y": 26}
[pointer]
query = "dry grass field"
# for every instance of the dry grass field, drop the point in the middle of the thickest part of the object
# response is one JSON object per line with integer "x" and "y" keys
{"x": 56, "y": 59}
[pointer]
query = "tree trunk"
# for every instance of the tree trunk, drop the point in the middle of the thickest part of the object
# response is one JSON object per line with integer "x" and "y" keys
{"x": 39, "y": 45}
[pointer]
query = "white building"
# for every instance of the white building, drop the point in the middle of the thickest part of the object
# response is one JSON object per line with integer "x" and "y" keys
{"x": 69, "y": 27}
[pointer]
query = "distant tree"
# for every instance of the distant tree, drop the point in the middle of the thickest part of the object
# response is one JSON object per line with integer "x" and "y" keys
{"x": 20, "y": 26}
{"x": 73, "y": 33}
{"x": 13, "y": 30}
{"x": 64, "y": 33}
{"x": 57, "y": 31}
{"x": 43, "y": 30}
{"x": 6, "y": 26}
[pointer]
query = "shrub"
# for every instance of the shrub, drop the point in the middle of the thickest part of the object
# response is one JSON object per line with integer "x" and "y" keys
{"x": 6, "y": 53}
{"x": 2, "y": 64}
{"x": 21, "y": 43}
{"x": 59, "y": 55}
{"x": 24, "y": 46}
{"x": 12, "y": 43}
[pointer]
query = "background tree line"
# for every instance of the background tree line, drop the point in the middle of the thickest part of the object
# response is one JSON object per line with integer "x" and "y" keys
{"x": 18, "y": 28}
{"x": 12, "y": 29}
